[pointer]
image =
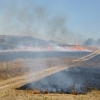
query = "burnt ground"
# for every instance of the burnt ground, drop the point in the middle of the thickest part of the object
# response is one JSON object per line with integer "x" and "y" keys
{"x": 13, "y": 64}
{"x": 8, "y": 56}
{"x": 81, "y": 77}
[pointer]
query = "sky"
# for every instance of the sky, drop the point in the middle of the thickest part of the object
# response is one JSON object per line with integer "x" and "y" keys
{"x": 67, "y": 21}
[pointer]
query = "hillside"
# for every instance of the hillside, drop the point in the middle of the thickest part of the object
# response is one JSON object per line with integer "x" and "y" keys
{"x": 12, "y": 41}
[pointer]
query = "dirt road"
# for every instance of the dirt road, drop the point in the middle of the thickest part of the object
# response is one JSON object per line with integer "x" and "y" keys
{"x": 21, "y": 80}
{"x": 87, "y": 57}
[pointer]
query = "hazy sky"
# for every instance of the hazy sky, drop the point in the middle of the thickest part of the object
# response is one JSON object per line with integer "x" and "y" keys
{"x": 57, "y": 19}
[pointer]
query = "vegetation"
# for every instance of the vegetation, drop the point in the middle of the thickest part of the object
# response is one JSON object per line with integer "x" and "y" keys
{"x": 14, "y": 94}
{"x": 21, "y": 66}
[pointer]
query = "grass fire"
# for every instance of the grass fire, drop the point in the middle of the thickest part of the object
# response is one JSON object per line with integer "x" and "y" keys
{"x": 68, "y": 69}
{"x": 49, "y": 50}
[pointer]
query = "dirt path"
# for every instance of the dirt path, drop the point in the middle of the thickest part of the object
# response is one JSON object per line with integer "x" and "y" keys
{"x": 88, "y": 56}
{"x": 19, "y": 81}
{"x": 12, "y": 80}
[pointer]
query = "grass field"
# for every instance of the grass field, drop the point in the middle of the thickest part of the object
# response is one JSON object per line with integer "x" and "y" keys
{"x": 19, "y": 67}
{"x": 13, "y": 94}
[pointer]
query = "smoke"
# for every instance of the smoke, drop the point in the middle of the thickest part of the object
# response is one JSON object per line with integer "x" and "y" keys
{"x": 74, "y": 78}
{"x": 27, "y": 18}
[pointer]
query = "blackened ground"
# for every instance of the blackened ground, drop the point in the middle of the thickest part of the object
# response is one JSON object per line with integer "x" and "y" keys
{"x": 96, "y": 58}
{"x": 82, "y": 77}
{"x": 8, "y": 56}
{"x": 77, "y": 78}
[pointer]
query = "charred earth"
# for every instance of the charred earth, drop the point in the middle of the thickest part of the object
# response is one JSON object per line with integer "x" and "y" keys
{"x": 81, "y": 77}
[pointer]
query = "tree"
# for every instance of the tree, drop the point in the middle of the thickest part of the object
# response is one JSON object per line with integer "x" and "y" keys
{"x": 90, "y": 41}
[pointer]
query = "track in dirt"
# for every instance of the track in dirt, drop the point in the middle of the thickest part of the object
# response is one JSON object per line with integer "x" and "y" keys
{"x": 87, "y": 57}
{"x": 21, "y": 80}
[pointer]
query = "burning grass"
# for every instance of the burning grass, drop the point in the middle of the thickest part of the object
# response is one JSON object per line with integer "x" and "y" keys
{"x": 29, "y": 95}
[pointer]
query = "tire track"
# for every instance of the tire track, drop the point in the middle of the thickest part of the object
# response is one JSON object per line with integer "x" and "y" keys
{"x": 88, "y": 56}
{"x": 19, "y": 81}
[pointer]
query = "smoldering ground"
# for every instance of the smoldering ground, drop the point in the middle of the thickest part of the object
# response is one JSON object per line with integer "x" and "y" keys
{"x": 79, "y": 79}
{"x": 9, "y": 56}
{"x": 37, "y": 21}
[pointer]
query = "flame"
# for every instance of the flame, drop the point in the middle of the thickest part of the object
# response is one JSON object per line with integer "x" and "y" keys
{"x": 49, "y": 48}
{"x": 77, "y": 47}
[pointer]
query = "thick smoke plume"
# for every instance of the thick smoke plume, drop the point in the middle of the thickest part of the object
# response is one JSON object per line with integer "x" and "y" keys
{"x": 37, "y": 21}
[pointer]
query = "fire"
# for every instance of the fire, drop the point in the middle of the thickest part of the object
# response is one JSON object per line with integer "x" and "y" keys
{"x": 49, "y": 48}
{"x": 77, "y": 47}
{"x": 37, "y": 91}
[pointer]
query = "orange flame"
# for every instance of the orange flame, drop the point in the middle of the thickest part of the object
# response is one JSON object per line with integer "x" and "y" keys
{"x": 77, "y": 47}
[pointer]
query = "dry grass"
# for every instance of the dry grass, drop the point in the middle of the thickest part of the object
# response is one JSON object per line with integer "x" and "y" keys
{"x": 13, "y": 94}
{"x": 21, "y": 66}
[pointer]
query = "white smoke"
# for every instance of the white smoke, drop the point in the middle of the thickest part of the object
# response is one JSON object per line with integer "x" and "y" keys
{"x": 38, "y": 21}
